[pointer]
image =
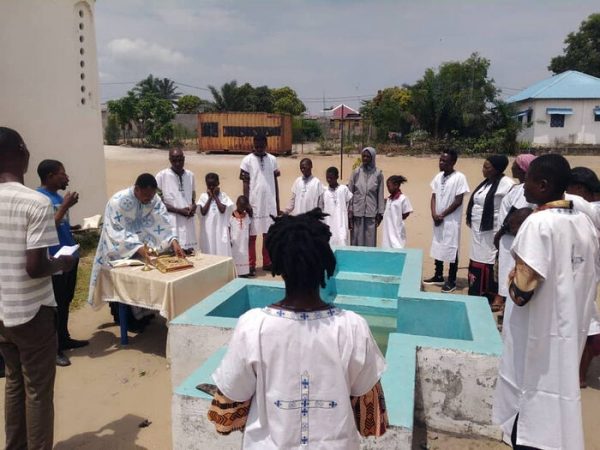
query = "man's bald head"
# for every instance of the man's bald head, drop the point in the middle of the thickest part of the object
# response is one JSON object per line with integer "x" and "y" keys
{"x": 177, "y": 160}
{"x": 175, "y": 152}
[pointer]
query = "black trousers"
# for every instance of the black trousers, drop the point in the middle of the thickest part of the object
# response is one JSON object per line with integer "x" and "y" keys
{"x": 513, "y": 438}
{"x": 439, "y": 269}
{"x": 64, "y": 291}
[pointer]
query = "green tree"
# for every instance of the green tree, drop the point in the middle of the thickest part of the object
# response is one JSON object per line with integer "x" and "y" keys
{"x": 246, "y": 98}
{"x": 161, "y": 87}
{"x": 389, "y": 111}
{"x": 455, "y": 99}
{"x": 125, "y": 110}
{"x": 111, "y": 133}
{"x": 286, "y": 101}
{"x": 306, "y": 130}
{"x": 154, "y": 117}
{"x": 228, "y": 97}
{"x": 503, "y": 128}
{"x": 149, "y": 109}
{"x": 263, "y": 99}
{"x": 582, "y": 49}
{"x": 192, "y": 104}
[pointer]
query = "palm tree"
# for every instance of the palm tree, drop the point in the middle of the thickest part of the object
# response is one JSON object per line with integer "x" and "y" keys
{"x": 228, "y": 98}
{"x": 161, "y": 87}
{"x": 167, "y": 89}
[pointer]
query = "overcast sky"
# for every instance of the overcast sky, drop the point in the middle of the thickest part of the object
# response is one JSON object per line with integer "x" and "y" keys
{"x": 343, "y": 50}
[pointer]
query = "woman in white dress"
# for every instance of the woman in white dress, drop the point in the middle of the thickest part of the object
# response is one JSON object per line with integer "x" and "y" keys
{"x": 300, "y": 373}
{"x": 482, "y": 218}
{"x": 503, "y": 240}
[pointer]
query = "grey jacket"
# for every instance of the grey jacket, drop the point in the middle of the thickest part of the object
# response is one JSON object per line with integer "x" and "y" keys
{"x": 367, "y": 187}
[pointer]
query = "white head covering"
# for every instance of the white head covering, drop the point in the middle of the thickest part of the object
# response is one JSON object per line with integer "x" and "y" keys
{"x": 373, "y": 153}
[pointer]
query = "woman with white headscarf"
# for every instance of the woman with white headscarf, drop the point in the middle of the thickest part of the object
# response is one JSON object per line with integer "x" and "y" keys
{"x": 515, "y": 199}
{"x": 367, "y": 206}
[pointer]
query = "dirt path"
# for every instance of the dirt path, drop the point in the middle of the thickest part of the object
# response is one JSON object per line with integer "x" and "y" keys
{"x": 108, "y": 391}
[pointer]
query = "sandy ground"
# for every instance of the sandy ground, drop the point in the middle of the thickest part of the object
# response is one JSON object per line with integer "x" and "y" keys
{"x": 108, "y": 391}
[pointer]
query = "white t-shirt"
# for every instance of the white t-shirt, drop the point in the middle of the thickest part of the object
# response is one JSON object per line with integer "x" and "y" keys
{"x": 262, "y": 190}
{"x": 278, "y": 357}
{"x": 26, "y": 223}
{"x": 394, "y": 231}
{"x": 446, "y": 237}
{"x": 335, "y": 203}
{"x": 178, "y": 192}
{"x": 482, "y": 242}
{"x": 307, "y": 194}
{"x": 543, "y": 340}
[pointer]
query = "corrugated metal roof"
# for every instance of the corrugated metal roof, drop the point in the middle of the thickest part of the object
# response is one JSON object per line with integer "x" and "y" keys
{"x": 569, "y": 84}
{"x": 336, "y": 113}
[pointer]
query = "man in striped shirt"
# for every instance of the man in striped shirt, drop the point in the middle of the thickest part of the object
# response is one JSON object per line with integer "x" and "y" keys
{"x": 27, "y": 307}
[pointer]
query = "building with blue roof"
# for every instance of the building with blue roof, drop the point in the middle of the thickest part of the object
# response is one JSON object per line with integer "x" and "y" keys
{"x": 562, "y": 109}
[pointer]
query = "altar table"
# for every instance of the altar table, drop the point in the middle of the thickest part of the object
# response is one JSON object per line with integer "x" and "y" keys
{"x": 168, "y": 293}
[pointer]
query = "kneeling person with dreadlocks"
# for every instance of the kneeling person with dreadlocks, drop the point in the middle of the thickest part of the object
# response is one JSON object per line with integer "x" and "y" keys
{"x": 300, "y": 372}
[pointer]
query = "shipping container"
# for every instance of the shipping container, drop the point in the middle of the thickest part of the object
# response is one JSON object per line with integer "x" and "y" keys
{"x": 234, "y": 132}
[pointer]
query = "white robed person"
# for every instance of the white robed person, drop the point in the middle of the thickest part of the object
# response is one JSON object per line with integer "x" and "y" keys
{"x": 177, "y": 188}
{"x": 336, "y": 200}
{"x": 307, "y": 191}
{"x": 239, "y": 233}
{"x": 514, "y": 200}
{"x": 448, "y": 188}
{"x": 537, "y": 400}
{"x": 259, "y": 172}
{"x": 584, "y": 187}
{"x": 397, "y": 210}
{"x": 300, "y": 373}
{"x": 215, "y": 210}
{"x": 135, "y": 219}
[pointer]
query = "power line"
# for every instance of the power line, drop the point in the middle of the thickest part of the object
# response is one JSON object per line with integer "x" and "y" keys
{"x": 118, "y": 82}
{"x": 178, "y": 83}
{"x": 190, "y": 86}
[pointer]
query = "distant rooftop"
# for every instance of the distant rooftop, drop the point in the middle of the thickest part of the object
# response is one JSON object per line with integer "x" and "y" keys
{"x": 569, "y": 84}
{"x": 336, "y": 113}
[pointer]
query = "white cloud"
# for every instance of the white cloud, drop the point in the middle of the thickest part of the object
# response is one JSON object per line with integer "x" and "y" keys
{"x": 140, "y": 50}
{"x": 206, "y": 19}
{"x": 322, "y": 49}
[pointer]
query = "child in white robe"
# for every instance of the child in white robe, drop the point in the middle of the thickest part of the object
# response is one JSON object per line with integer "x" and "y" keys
{"x": 239, "y": 233}
{"x": 397, "y": 210}
{"x": 215, "y": 209}
{"x": 307, "y": 191}
{"x": 336, "y": 198}
{"x": 300, "y": 373}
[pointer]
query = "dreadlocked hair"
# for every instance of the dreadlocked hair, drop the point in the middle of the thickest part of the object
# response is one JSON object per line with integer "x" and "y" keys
{"x": 300, "y": 251}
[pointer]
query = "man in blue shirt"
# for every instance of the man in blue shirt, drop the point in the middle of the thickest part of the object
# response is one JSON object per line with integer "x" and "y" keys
{"x": 54, "y": 178}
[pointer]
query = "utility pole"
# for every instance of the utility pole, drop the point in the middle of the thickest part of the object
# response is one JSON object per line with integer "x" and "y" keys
{"x": 342, "y": 146}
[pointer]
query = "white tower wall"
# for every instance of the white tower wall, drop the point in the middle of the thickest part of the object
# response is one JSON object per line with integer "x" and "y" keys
{"x": 49, "y": 91}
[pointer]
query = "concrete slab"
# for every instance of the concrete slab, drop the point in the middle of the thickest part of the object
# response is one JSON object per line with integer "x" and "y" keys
{"x": 442, "y": 350}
